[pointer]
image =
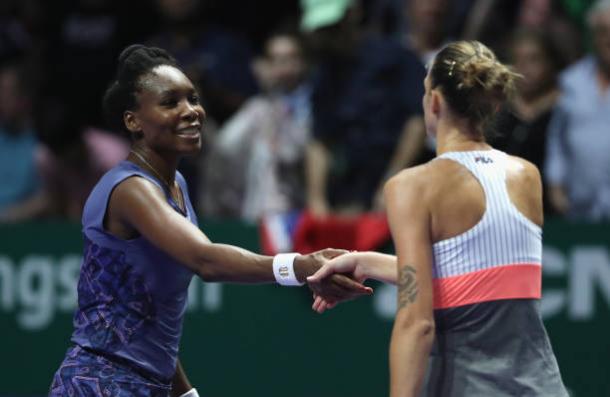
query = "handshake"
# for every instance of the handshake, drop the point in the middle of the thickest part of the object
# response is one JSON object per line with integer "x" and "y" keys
{"x": 334, "y": 276}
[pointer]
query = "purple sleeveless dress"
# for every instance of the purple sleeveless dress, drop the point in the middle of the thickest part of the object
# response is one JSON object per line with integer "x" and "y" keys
{"x": 131, "y": 302}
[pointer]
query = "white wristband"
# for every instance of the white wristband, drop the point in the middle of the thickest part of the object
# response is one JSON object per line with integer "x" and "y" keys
{"x": 190, "y": 393}
{"x": 283, "y": 269}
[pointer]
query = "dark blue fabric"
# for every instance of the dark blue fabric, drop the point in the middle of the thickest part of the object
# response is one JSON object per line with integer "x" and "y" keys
{"x": 114, "y": 302}
{"x": 85, "y": 374}
{"x": 131, "y": 295}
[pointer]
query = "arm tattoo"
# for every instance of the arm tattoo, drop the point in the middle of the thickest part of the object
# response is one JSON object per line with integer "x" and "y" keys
{"x": 407, "y": 286}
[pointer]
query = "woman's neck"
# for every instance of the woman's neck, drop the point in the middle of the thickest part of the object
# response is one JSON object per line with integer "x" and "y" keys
{"x": 163, "y": 168}
{"x": 459, "y": 138}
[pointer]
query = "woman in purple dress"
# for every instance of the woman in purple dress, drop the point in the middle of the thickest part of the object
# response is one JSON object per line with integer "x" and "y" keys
{"x": 142, "y": 244}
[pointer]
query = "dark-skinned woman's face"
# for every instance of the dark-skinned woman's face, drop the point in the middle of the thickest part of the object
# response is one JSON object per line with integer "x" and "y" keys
{"x": 169, "y": 118}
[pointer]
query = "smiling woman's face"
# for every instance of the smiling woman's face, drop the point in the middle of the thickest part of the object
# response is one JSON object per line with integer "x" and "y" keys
{"x": 169, "y": 117}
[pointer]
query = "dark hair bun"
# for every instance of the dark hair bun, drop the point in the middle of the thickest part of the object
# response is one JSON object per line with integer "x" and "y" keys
{"x": 134, "y": 62}
{"x": 493, "y": 79}
{"x": 472, "y": 80}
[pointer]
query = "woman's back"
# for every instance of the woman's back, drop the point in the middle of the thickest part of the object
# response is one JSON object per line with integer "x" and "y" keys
{"x": 486, "y": 215}
{"x": 459, "y": 201}
{"x": 466, "y": 228}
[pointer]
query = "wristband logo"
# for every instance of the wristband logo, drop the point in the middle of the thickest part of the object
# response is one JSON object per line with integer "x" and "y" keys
{"x": 283, "y": 270}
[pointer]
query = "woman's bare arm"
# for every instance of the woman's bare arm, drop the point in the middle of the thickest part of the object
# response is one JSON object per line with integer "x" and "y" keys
{"x": 413, "y": 332}
{"x": 139, "y": 204}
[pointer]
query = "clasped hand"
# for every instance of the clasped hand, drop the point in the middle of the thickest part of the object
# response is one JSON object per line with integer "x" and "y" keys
{"x": 338, "y": 280}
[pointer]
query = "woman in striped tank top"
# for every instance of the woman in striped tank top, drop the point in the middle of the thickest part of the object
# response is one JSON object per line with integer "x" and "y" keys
{"x": 467, "y": 231}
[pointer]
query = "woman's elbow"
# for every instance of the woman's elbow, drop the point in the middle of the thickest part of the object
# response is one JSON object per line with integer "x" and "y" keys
{"x": 207, "y": 272}
{"x": 420, "y": 327}
{"x": 424, "y": 328}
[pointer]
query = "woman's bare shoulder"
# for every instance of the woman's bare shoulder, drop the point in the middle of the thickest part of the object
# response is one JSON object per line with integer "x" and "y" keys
{"x": 519, "y": 168}
{"x": 422, "y": 180}
{"x": 525, "y": 188}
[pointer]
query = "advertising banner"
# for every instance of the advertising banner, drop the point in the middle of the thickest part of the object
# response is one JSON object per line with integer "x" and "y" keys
{"x": 265, "y": 340}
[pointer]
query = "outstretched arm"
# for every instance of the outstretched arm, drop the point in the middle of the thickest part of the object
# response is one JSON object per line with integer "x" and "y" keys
{"x": 358, "y": 265}
{"x": 362, "y": 265}
{"x": 141, "y": 205}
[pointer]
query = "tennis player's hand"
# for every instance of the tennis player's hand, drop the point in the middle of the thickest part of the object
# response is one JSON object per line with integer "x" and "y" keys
{"x": 344, "y": 265}
{"x": 335, "y": 287}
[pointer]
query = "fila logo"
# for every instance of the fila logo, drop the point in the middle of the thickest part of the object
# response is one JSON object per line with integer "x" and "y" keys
{"x": 482, "y": 159}
{"x": 284, "y": 271}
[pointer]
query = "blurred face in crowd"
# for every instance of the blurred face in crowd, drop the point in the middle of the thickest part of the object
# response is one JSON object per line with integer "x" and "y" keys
{"x": 286, "y": 63}
{"x": 169, "y": 117}
{"x": 14, "y": 105}
{"x": 531, "y": 60}
{"x": 600, "y": 24}
{"x": 428, "y": 16}
{"x": 534, "y": 13}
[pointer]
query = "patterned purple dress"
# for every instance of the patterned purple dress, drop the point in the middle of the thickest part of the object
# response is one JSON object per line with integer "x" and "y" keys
{"x": 131, "y": 303}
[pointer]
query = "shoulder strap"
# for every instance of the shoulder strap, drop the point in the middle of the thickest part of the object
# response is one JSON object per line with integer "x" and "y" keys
{"x": 97, "y": 203}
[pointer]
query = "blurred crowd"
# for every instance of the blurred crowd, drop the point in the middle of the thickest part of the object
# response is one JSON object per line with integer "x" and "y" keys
{"x": 311, "y": 105}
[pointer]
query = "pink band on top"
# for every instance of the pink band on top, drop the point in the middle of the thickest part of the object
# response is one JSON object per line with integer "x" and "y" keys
{"x": 514, "y": 281}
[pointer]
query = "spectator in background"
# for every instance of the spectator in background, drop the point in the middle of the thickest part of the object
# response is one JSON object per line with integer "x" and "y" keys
{"x": 69, "y": 164}
{"x": 82, "y": 53}
{"x": 217, "y": 61}
{"x": 491, "y": 21}
{"x": 578, "y": 160}
{"x": 22, "y": 28}
{"x": 19, "y": 179}
{"x": 427, "y": 31}
{"x": 263, "y": 144}
{"x": 427, "y": 27}
{"x": 522, "y": 124}
{"x": 15, "y": 39}
{"x": 77, "y": 155}
{"x": 383, "y": 17}
{"x": 366, "y": 103}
